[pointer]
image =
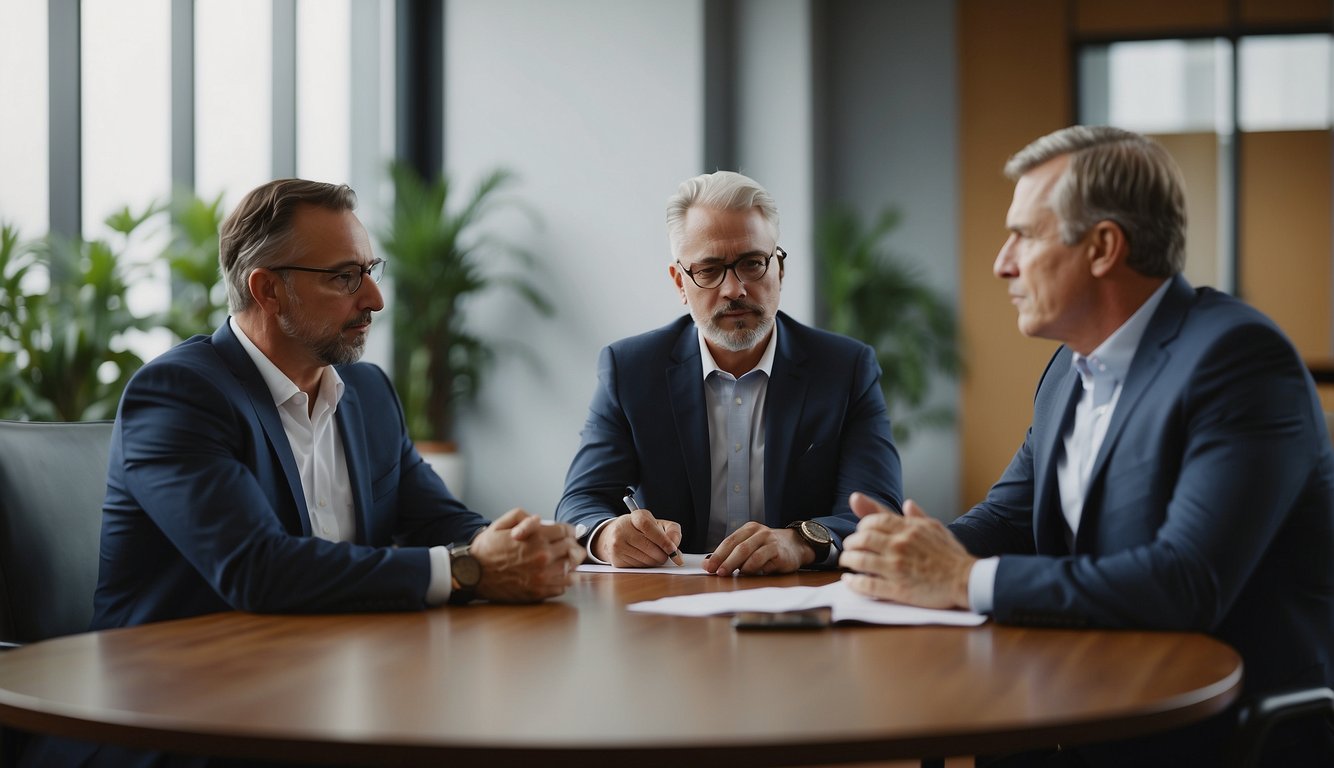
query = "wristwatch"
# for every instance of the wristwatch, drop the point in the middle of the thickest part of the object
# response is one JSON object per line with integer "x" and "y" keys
{"x": 816, "y": 537}
{"x": 465, "y": 573}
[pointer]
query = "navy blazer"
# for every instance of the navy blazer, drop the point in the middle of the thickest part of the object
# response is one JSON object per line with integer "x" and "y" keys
{"x": 827, "y": 433}
{"x": 205, "y": 512}
{"x": 1210, "y": 504}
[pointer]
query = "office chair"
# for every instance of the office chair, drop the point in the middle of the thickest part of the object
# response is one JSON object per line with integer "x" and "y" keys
{"x": 52, "y": 483}
{"x": 1258, "y": 717}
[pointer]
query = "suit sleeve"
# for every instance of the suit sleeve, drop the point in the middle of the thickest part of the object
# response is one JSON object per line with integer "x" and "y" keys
{"x": 606, "y": 460}
{"x": 868, "y": 460}
{"x": 186, "y": 454}
{"x": 1242, "y": 420}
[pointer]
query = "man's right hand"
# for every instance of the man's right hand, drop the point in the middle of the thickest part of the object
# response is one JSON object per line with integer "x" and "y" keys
{"x": 637, "y": 540}
{"x": 524, "y": 560}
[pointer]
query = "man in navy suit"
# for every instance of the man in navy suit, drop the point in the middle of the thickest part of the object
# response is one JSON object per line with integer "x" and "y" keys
{"x": 1177, "y": 475}
{"x": 263, "y": 469}
{"x": 737, "y": 430}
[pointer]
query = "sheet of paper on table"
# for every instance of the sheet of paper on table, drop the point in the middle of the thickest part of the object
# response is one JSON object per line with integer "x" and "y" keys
{"x": 693, "y": 567}
{"x": 844, "y": 605}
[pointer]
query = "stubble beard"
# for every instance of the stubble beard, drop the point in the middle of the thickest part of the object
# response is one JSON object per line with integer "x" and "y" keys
{"x": 329, "y": 349}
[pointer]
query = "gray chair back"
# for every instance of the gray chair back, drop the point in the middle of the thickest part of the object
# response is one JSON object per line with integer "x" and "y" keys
{"x": 52, "y": 483}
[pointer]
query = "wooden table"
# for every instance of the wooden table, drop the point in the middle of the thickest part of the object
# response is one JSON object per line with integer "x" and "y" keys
{"x": 580, "y": 681}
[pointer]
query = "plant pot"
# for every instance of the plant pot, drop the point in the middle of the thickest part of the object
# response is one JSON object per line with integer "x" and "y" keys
{"x": 445, "y": 458}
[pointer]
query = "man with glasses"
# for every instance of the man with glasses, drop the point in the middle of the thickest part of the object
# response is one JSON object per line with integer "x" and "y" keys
{"x": 735, "y": 430}
{"x": 263, "y": 469}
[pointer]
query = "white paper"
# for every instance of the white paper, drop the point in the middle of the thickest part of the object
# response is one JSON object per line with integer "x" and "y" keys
{"x": 844, "y": 605}
{"x": 694, "y": 566}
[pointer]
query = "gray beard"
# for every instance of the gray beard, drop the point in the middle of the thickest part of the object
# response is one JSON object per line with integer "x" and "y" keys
{"x": 737, "y": 339}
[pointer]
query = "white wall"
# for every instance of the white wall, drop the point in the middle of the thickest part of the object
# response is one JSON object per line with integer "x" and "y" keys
{"x": 774, "y": 131}
{"x": 892, "y": 138}
{"x": 597, "y": 105}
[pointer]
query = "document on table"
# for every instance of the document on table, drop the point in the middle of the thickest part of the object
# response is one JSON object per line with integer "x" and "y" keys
{"x": 694, "y": 566}
{"x": 844, "y": 605}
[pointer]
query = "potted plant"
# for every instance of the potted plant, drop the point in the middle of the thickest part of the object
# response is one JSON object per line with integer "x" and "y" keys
{"x": 869, "y": 294}
{"x": 198, "y": 297}
{"x": 63, "y": 318}
{"x": 440, "y": 257}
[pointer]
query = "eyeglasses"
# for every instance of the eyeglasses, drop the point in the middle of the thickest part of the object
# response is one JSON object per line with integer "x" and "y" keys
{"x": 349, "y": 280}
{"x": 748, "y": 270}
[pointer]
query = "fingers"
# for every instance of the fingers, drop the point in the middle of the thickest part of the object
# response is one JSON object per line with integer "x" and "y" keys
{"x": 753, "y": 549}
{"x": 871, "y": 586}
{"x": 864, "y": 505}
{"x": 656, "y": 535}
{"x": 509, "y": 519}
{"x": 671, "y": 530}
{"x": 910, "y": 509}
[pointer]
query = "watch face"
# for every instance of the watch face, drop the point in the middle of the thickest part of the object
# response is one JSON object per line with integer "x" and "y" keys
{"x": 467, "y": 571}
{"x": 816, "y": 532}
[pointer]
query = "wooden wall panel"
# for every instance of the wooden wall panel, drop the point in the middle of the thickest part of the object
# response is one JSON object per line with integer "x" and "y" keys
{"x": 1101, "y": 18}
{"x": 1014, "y": 85}
{"x": 1285, "y": 12}
{"x": 1285, "y": 233}
{"x": 1197, "y": 154}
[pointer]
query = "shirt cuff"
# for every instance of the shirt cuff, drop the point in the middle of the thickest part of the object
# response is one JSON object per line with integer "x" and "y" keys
{"x": 593, "y": 536}
{"x": 441, "y": 584}
{"x": 982, "y": 585}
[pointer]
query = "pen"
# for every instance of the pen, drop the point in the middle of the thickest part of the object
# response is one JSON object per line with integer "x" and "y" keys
{"x": 632, "y": 505}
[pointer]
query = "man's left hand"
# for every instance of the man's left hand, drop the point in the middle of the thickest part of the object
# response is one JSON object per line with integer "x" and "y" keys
{"x": 758, "y": 550}
{"x": 911, "y": 559}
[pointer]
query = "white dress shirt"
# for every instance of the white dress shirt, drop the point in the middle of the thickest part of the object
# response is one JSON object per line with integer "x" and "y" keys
{"x": 736, "y": 441}
{"x": 317, "y": 447}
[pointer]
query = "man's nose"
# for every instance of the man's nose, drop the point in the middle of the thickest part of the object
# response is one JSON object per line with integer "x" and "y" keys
{"x": 369, "y": 296}
{"x": 1004, "y": 266}
{"x": 732, "y": 287}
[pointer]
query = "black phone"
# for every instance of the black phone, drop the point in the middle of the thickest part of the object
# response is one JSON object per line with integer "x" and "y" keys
{"x": 817, "y": 618}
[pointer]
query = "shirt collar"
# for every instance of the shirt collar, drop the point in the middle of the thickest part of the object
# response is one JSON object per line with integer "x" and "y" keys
{"x": 766, "y": 363}
{"x": 281, "y": 387}
{"x": 1113, "y": 356}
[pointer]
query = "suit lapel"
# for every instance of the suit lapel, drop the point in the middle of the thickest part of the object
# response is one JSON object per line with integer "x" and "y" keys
{"x": 685, "y": 386}
{"x": 266, "y": 413}
{"x": 1151, "y": 358}
{"x": 1049, "y": 426}
{"x": 783, "y": 406}
{"x": 351, "y": 426}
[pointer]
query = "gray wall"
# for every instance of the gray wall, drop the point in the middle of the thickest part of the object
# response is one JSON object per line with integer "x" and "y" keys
{"x": 598, "y": 105}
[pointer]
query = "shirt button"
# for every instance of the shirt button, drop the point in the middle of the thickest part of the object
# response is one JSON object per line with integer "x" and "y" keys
{"x": 737, "y": 448}
{"x": 736, "y": 488}
{"x": 738, "y": 401}
{"x": 324, "y": 503}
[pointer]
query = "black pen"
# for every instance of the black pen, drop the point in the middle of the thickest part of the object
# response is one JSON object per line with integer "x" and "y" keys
{"x": 632, "y": 505}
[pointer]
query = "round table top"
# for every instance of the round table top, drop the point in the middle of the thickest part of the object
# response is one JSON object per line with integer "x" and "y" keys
{"x": 580, "y": 678}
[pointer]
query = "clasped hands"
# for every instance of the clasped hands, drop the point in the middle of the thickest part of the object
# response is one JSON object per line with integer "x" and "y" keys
{"x": 640, "y": 540}
{"x": 909, "y": 558}
{"x": 525, "y": 560}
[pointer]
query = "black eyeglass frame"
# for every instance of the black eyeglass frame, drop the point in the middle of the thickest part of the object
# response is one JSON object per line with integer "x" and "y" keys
{"x": 778, "y": 251}
{"x": 357, "y": 273}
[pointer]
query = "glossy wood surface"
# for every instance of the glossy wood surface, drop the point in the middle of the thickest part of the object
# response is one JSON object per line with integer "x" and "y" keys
{"x": 581, "y": 680}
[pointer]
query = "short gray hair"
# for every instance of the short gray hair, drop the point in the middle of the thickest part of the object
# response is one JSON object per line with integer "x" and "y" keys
{"x": 259, "y": 232}
{"x": 720, "y": 190}
{"x": 1118, "y": 176}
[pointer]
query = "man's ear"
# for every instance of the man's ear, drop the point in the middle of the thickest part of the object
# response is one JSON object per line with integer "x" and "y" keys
{"x": 268, "y": 291}
{"x": 678, "y": 279}
{"x": 1107, "y": 247}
